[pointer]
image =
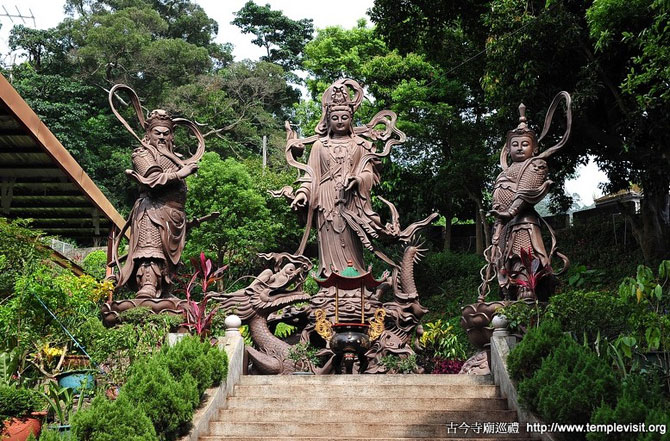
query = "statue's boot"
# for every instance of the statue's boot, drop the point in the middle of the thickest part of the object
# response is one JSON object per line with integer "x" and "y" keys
{"x": 148, "y": 279}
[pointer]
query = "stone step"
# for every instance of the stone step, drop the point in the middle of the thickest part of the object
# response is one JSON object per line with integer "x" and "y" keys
{"x": 367, "y": 430}
{"x": 329, "y": 380}
{"x": 329, "y": 438}
{"x": 364, "y": 416}
{"x": 298, "y": 403}
{"x": 362, "y": 391}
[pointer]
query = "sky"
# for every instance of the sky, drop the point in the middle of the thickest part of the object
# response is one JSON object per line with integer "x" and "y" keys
{"x": 344, "y": 13}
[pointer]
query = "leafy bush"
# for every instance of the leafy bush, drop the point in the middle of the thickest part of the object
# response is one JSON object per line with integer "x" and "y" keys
{"x": 18, "y": 401}
{"x": 589, "y": 312}
{"x": 569, "y": 384}
{"x": 167, "y": 402}
{"x": 442, "y": 338}
{"x": 114, "y": 420}
{"x": 95, "y": 264}
{"x": 526, "y": 357}
{"x": 21, "y": 250}
{"x": 302, "y": 355}
{"x": 207, "y": 364}
{"x": 396, "y": 364}
{"x": 522, "y": 316}
{"x": 641, "y": 400}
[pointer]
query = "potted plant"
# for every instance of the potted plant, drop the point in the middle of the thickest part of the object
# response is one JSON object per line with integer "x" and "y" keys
{"x": 304, "y": 358}
{"x": 61, "y": 404}
{"x": 19, "y": 412}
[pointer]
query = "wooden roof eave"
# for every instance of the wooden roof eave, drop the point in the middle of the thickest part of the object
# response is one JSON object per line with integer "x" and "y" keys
{"x": 50, "y": 144}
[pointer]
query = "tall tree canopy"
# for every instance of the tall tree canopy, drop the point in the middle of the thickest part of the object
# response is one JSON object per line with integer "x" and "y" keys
{"x": 282, "y": 38}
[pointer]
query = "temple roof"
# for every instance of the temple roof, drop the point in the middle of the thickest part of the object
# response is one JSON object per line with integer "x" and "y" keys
{"x": 40, "y": 180}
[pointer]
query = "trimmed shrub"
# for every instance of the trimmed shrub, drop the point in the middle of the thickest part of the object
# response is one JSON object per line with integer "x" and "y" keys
{"x": 112, "y": 421}
{"x": 641, "y": 401}
{"x": 18, "y": 401}
{"x": 95, "y": 264}
{"x": 54, "y": 435}
{"x": 570, "y": 383}
{"x": 167, "y": 402}
{"x": 526, "y": 358}
{"x": 591, "y": 313}
{"x": 206, "y": 363}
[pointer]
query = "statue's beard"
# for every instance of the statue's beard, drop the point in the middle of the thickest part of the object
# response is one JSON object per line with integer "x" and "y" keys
{"x": 167, "y": 144}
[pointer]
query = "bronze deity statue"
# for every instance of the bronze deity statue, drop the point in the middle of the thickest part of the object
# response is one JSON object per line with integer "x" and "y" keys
{"x": 335, "y": 192}
{"x": 517, "y": 252}
{"x": 157, "y": 221}
{"x": 517, "y": 257}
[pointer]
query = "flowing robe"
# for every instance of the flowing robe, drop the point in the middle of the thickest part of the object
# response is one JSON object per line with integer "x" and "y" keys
{"x": 157, "y": 220}
{"x": 344, "y": 219}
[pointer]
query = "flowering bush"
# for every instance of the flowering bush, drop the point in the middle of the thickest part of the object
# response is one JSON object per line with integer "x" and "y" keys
{"x": 447, "y": 366}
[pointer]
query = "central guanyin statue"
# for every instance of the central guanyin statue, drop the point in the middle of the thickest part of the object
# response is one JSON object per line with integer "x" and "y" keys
{"x": 335, "y": 191}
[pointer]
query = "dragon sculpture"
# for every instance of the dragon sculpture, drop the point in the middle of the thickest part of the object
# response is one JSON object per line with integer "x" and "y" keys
{"x": 269, "y": 292}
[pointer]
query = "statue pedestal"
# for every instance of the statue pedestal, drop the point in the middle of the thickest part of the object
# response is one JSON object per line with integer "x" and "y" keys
{"x": 111, "y": 310}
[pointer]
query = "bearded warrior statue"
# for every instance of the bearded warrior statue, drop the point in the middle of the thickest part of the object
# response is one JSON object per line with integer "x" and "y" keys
{"x": 157, "y": 221}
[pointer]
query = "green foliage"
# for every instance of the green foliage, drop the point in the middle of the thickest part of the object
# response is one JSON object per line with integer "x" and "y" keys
{"x": 20, "y": 250}
{"x": 580, "y": 276}
{"x": 526, "y": 357}
{"x": 167, "y": 402}
{"x": 283, "y": 330}
{"x": 61, "y": 402}
{"x": 522, "y": 316}
{"x": 23, "y": 319}
{"x": 592, "y": 313}
{"x": 396, "y": 364}
{"x": 569, "y": 384}
{"x": 447, "y": 281}
{"x": 18, "y": 401}
{"x": 303, "y": 355}
{"x": 649, "y": 296}
{"x": 282, "y": 38}
{"x": 641, "y": 400}
{"x": 95, "y": 264}
{"x": 442, "y": 339}
{"x": 206, "y": 363}
{"x": 245, "y": 226}
{"x": 55, "y": 435}
{"x": 113, "y": 420}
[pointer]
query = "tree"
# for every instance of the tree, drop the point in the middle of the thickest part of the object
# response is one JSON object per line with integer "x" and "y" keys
{"x": 244, "y": 228}
{"x": 282, "y": 37}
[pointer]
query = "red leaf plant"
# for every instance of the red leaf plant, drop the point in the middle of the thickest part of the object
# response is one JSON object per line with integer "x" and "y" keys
{"x": 535, "y": 271}
{"x": 195, "y": 313}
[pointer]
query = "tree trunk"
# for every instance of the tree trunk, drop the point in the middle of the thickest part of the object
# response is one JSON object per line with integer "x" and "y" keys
{"x": 447, "y": 232}
{"x": 651, "y": 228}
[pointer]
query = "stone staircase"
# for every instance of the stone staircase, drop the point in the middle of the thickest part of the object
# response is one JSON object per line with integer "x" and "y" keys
{"x": 365, "y": 407}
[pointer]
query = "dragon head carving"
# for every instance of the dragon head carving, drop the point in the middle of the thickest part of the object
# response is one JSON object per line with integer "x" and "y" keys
{"x": 272, "y": 290}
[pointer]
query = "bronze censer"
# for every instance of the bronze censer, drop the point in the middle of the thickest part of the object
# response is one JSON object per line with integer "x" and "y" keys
{"x": 349, "y": 340}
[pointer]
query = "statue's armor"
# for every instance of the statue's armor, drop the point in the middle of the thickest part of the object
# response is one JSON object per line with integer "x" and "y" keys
{"x": 158, "y": 220}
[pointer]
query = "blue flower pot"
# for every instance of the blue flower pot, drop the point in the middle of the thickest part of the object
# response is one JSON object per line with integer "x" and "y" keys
{"x": 78, "y": 381}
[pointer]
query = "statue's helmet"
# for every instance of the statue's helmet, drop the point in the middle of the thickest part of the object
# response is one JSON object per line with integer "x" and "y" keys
{"x": 522, "y": 130}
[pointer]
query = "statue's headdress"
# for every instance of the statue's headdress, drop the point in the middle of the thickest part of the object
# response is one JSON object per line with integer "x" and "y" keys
{"x": 158, "y": 117}
{"x": 337, "y": 97}
{"x": 523, "y": 129}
